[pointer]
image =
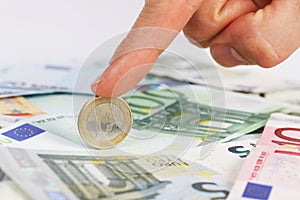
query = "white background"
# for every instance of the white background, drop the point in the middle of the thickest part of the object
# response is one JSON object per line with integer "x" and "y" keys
{"x": 59, "y": 30}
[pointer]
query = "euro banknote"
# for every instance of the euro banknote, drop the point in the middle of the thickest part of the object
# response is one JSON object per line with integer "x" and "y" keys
{"x": 171, "y": 117}
{"x": 38, "y": 77}
{"x": 291, "y": 96}
{"x": 59, "y": 103}
{"x": 51, "y": 131}
{"x": 9, "y": 189}
{"x": 271, "y": 169}
{"x": 225, "y": 158}
{"x": 18, "y": 107}
{"x": 206, "y": 113}
{"x": 49, "y": 79}
{"x": 25, "y": 133}
{"x": 82, "y": 175}
{"x": 13, "y": 92}
{"x": 8, "y": 120}
{"x": 238, "y": 79}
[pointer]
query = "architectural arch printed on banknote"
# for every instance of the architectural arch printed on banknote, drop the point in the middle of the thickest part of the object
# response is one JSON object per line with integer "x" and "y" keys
{"x": 157, "y": 107}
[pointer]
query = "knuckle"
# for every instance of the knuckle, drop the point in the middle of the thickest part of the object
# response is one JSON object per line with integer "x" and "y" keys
{"x": 263, "y": 53}
{"x": 259, "y": 48}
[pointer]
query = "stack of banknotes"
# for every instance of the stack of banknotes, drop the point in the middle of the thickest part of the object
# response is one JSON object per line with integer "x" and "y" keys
{"x": 191, "y": 138}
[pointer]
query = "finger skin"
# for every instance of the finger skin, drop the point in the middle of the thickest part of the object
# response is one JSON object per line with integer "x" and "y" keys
{"x": 134, "y": 54}
{"x": 169, "y": 17}
{"x": 266, "y": 37}
{"x": 259, "y": 31}
{"x": 213, "y": 16}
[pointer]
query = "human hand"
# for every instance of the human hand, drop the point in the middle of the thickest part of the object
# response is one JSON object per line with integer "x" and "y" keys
{"x": 209, "y": 23}
{"x": 265, "y": 37}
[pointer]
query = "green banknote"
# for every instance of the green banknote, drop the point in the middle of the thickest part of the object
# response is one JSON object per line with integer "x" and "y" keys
{"x": 205, "y": 113}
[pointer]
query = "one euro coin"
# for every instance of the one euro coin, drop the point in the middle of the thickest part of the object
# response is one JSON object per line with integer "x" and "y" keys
{"x": 104, "y": 122}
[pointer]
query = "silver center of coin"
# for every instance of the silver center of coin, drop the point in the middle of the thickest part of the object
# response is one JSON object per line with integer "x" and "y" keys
{"x": 105, "y": 121}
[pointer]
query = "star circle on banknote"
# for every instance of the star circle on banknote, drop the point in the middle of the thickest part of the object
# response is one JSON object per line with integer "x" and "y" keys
{"x": 104, "y": 122}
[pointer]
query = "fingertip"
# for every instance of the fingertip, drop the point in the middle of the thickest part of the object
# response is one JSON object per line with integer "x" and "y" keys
{"x": 227, "y": 56}
{"x": 102, "y": 88}
{"x": 124, "y": 73}
{"x": 100, "y": 91}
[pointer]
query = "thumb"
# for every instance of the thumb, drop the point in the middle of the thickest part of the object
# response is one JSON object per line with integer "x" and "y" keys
{"x": 157, "y": 25}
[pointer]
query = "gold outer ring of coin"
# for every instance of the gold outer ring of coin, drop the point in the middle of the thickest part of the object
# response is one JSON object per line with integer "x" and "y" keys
{"x": 89, "y": 107}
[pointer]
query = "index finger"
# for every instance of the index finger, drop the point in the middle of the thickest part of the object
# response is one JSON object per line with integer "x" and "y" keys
{"x": 157, "y": 25}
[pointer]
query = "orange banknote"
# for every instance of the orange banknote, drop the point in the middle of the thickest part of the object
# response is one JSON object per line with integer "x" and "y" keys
{"x": 18, "y": 106}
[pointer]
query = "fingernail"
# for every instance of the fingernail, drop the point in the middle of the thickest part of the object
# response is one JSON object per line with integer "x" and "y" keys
{"x": 95, "y": 84}
{"x": 237, "y": 56}
{"x": 99, "y": 79}
{"x": 227, "y": 56}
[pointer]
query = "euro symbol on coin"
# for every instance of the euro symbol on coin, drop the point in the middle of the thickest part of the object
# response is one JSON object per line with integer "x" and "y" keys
{"x": 104, "y": 122}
